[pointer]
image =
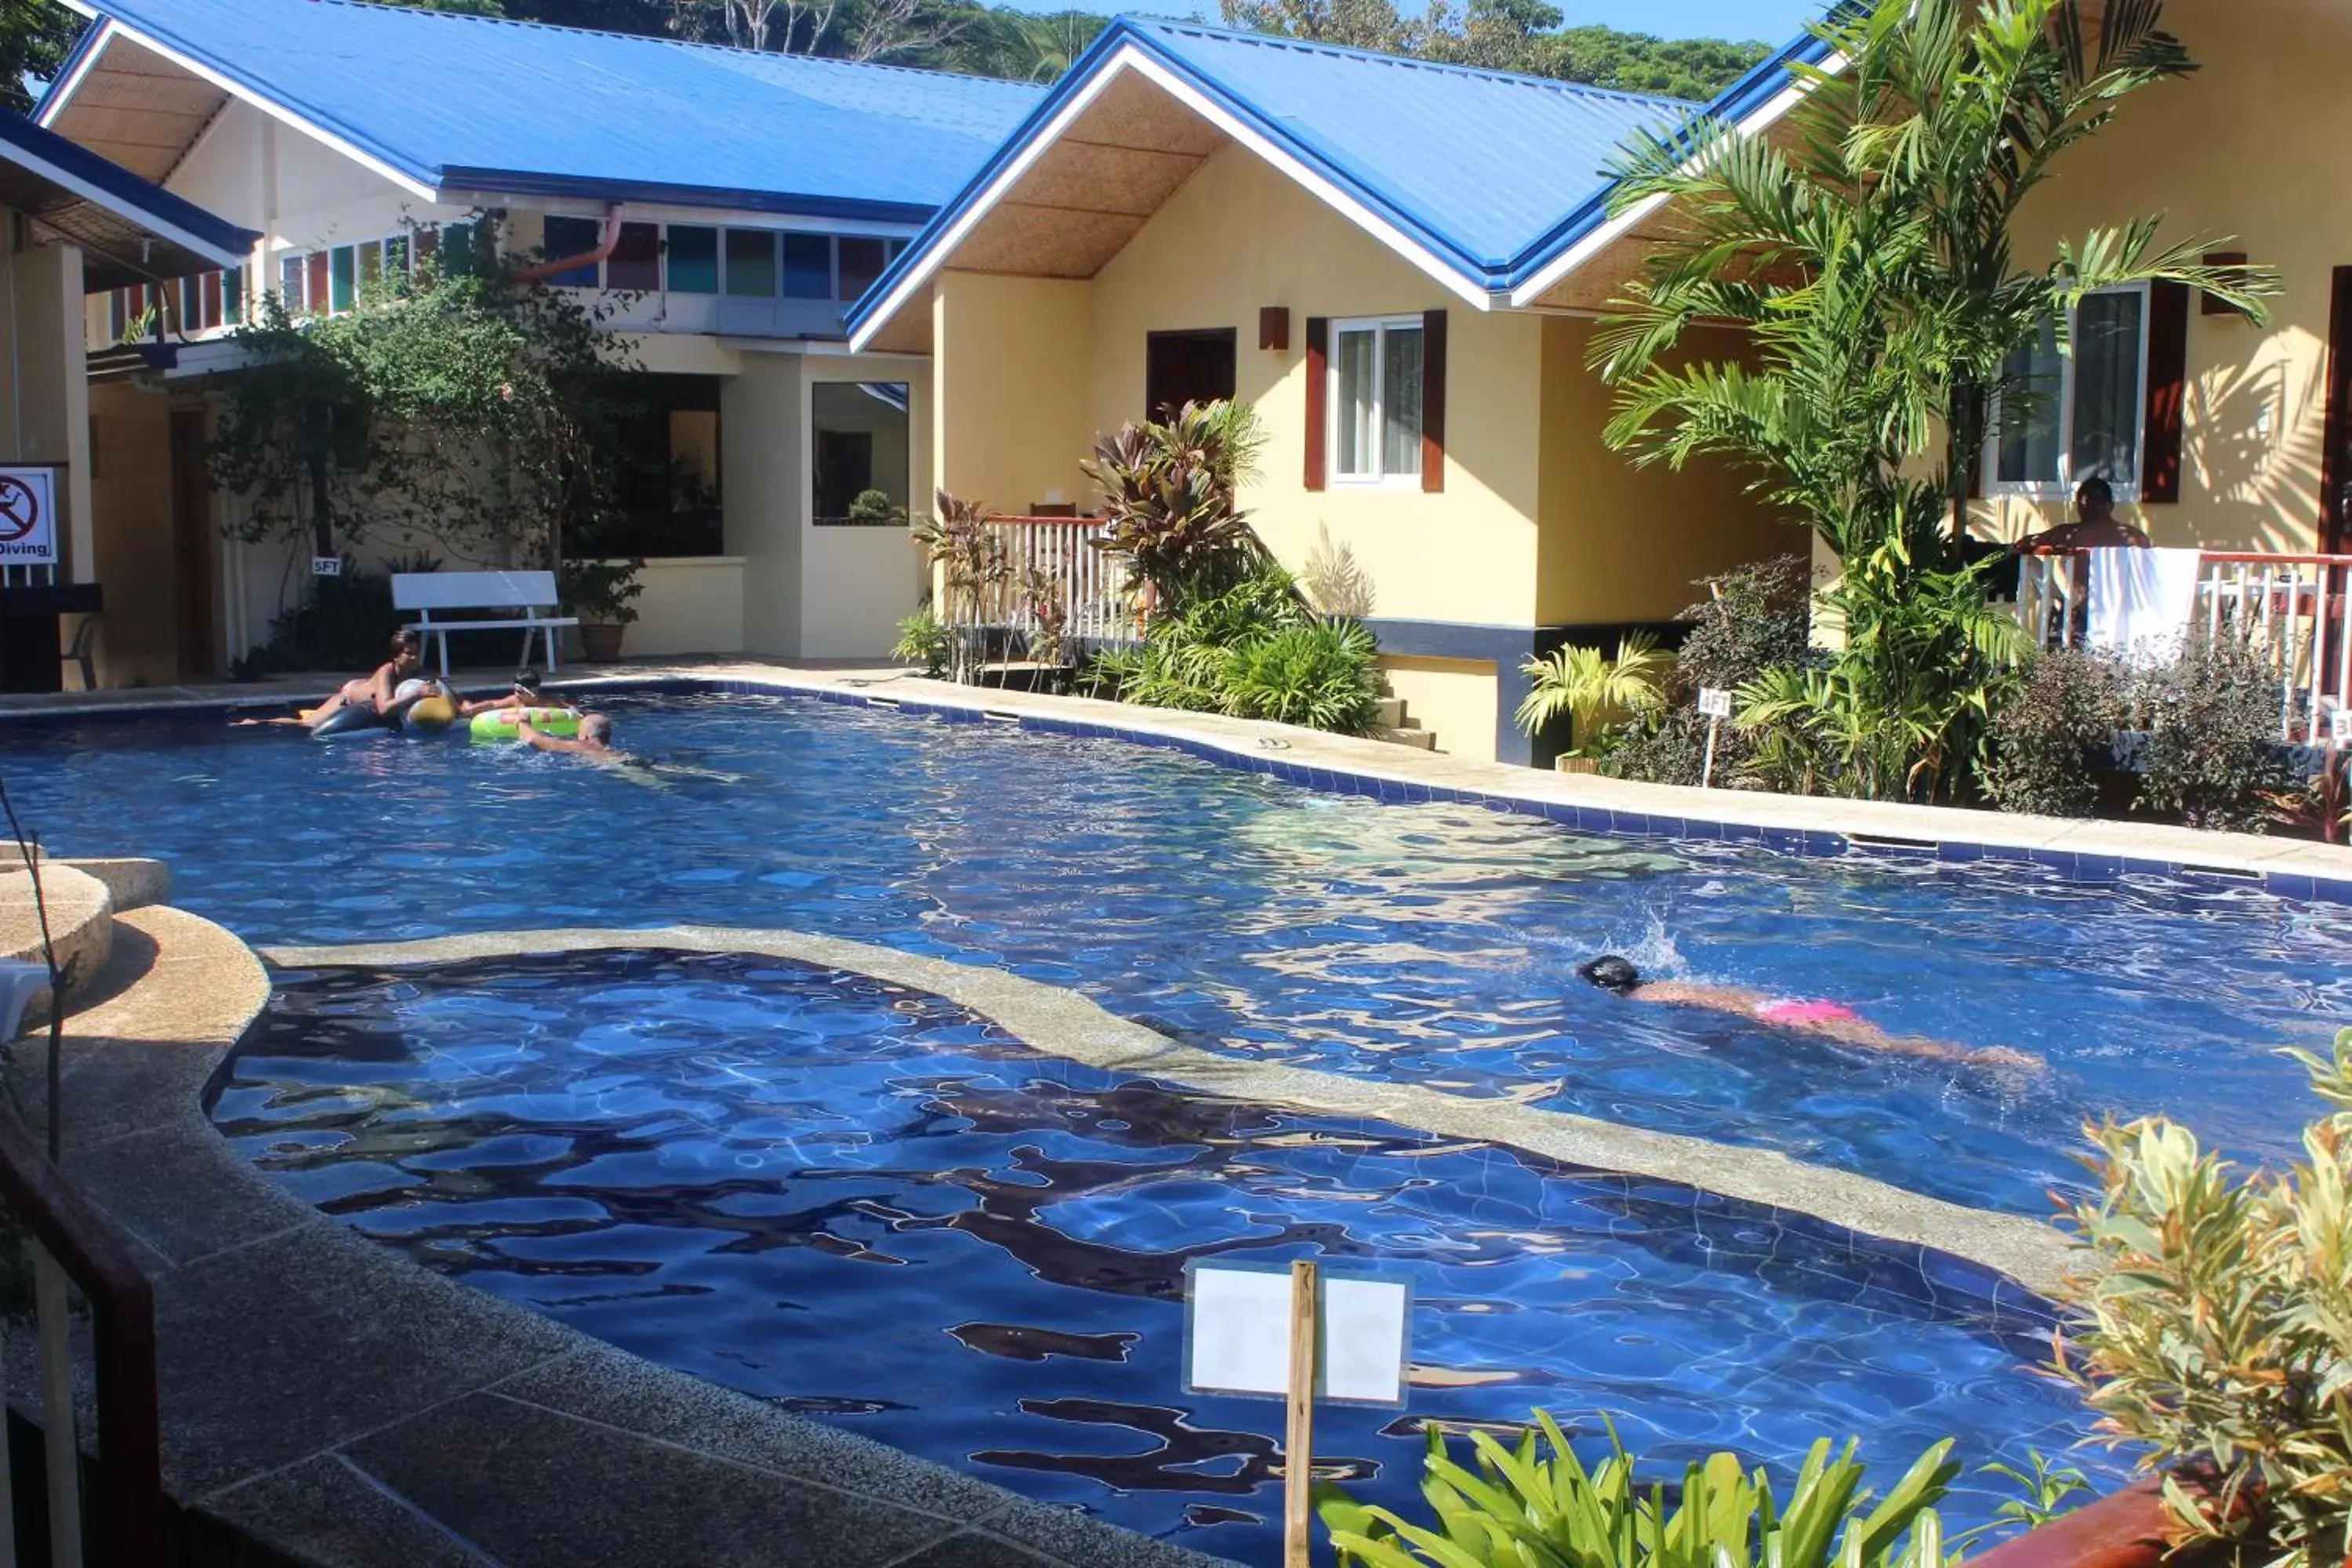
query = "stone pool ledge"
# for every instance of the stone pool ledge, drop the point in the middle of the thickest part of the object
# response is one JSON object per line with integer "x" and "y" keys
{"x": 2089, "y": 849}
{"x": 327, "y": 1398}
{"x": 1061, "y": 1022}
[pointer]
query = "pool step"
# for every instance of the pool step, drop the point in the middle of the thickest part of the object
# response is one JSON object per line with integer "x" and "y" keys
{"x": 1393, "y": 723}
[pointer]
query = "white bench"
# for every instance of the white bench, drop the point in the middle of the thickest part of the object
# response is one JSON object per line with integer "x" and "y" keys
{"x": 532, "y": 593}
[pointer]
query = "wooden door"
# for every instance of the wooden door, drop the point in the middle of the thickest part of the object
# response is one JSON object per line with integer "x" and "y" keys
{"x": 2336, "y": 454}
{"x": 1186, "y": 367}
{"x": 194, "y": 587}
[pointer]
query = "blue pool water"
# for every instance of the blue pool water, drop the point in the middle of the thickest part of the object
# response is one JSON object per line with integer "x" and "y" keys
{"x": 1430, "y": 943}
{"x": 865, "y": 1204}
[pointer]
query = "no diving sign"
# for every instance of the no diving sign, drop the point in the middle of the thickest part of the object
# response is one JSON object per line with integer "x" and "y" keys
{"x": 29, "y": 536}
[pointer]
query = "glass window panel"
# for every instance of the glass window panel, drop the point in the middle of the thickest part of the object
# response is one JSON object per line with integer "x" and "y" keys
{"x": 752, "y": 263}
{"x": 808, "y": 266}
{"x": 2030, "y": 413}
{"x": 371, "y": 269}
{"x": 1400, "y": 400}
{"x": 457, "y": 254}
{"x": 2107, "y": 401}
{"x": 343, "y": 282}
{"x": 860, "y": 442}
{"x": 861, "y": 263}
{"x": 395, "y": 257}
{"x": 636, "y": 261}
{"x": 1355, "y": 369}
{"x": 118, "y": 314}
{"x": 314, "y": 282}
{"x": 693, "y": 260}
{"x": 233, "y": 296}
{"x": 563, "y": 237}
{"x": 290, "y": 281}
{"x": 212, "y": 288}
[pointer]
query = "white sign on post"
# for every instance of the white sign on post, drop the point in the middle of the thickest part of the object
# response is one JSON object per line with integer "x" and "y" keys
{"x": 1714, "y": 702}
{"x": 1238, "y": 1333}
{"x": 2339, "y": 726}
{"x": 326, "y": 566}
{"x": 28, "y": 531}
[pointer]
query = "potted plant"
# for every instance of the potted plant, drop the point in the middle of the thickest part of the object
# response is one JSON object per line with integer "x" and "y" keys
{"x": 1594, "y": 692}
{"x": 598, "y": 593}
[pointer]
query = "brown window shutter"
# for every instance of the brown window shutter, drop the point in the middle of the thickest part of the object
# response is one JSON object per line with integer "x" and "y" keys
{"x": 1318, "y": 355}
{"x": 2168, "y": 388}
{"x": 1433, "y": 401}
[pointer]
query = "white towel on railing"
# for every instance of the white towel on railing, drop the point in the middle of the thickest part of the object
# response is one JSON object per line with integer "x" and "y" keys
{"x": 2142, "y": 601}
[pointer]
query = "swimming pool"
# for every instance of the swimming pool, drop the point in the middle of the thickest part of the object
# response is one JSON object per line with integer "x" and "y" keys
{"x": 1430, "y": 943}
{"x": 865, "y": 1204}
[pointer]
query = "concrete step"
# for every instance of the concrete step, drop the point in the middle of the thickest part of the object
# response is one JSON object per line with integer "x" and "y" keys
{"x": 1414, "y": 736}
{"x": 1392, "y": 713}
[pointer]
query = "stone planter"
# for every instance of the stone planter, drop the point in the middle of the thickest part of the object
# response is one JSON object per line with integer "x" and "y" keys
{"x": 600, "y": 644}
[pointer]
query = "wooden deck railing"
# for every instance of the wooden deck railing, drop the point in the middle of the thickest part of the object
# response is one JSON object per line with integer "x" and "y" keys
{"x": 1056, "y": 560}
{"x": 2289, "y": 610}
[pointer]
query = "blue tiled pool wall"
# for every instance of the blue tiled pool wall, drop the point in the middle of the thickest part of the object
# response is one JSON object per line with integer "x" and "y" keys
{"x": 2072, "y": 865}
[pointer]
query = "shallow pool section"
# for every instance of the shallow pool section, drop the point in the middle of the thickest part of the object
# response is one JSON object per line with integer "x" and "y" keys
{"x": 866, "y": 1203}
{"x": 1433, "y": 943}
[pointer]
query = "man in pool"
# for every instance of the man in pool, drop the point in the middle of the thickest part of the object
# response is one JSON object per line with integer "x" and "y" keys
{"x": 595, "y": 738}
{"x": 1830, "y": 1020}
{"x": 373, "y": 691}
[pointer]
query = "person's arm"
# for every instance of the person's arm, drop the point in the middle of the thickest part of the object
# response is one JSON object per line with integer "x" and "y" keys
{"x": 1722, "y": 998}
{"x": 540, "y": 741}
{"x": 486, "y": 705}
{"x": 381, "y": 687}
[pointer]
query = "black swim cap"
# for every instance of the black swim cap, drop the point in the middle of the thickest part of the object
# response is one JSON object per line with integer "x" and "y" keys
{"x": 1611, "y": 973}
{"x": 526, "y": 679}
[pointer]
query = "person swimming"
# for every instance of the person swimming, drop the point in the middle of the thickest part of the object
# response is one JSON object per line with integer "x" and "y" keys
{"x": 526, "y": 692}
{"x": 1835, "y": 1021}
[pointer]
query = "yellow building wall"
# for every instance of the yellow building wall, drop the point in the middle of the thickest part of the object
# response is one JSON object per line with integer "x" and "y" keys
{"x": 2236, "y": 155}
{"x": 1619, "y": 543}
{"x": 1456, "y": 699}
{"x": 1240, "y": 236}
{"x": 131, "y": 499}
{"x": 1009, "y": 371}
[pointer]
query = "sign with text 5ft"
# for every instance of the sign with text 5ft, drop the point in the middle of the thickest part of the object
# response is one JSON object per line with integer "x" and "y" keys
{"x": 28, "y": 517}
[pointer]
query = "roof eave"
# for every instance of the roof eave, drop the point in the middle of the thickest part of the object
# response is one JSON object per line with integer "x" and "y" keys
{"x": 458, "y": 180}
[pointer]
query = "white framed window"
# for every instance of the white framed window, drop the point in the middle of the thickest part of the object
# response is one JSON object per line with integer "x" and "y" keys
{"x": 1376, "y": 400}
{"x": 2084, "y": 415}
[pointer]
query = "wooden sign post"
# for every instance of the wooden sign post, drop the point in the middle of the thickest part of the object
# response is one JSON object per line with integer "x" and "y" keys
{"x": 1297, "y": 1332}
{"x": 1298, "y": 1443}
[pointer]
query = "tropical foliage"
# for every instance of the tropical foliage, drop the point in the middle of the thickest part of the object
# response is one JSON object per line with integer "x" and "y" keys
{"x": 969, "y": 557}
{"x": 1254, "y": 651}
{"x": 1593, "y": 692}
{"x": 468, "y": 411}
{"x": 1537, "y": 1503}
{"x": 2057, "y": 731}
{"x": 926, "y": 640}
{"x": 1868, "y": 258}
{"x": 1171, "y": 497}
{"x": 34, "y": 38}
{"x": 2211, "y": 756}
{"x": 2213, "y": 1323}
{"x": 1755, "y": 619}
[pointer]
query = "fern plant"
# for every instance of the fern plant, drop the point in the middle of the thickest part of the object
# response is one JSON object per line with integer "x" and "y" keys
{"x": 1592, "y": 690}
{"x": 1537, "y": 1506}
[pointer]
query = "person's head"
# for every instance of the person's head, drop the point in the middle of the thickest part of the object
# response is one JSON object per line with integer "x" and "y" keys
{"x": 407, "y": 649}
{"x": 597, "y": 730}
{"x": 2094, "y": 500}
{"x": 1611, "y": 974}
{"x": 527, "y": 681}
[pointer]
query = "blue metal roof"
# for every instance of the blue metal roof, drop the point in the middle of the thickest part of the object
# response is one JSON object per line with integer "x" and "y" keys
{"x": 464, "y": 102}
{"x": 95, "y": 202}
{"x": 1494, "y": 173}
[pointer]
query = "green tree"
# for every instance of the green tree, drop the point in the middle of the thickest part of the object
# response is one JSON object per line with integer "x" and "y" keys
{"x": 34, "y": 38}
{"x": 1868, "y": 254}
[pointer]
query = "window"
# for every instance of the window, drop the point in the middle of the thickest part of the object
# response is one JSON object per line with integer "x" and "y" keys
{"x": 395, "y": 257}
{"x": 233, "y": 296}
{"x": 861, "y": 263}
{"x": 344, "y": 280}
{"x": 860, "y": 442}
{"x": 314, "y": 282}
{"x": 289, "y": 282}
{"x": 2076, "y": 417}
{"x": 750, "y": 264}
{"x": 371, "y": 270}
{"x": 693, "y": 260}
{"x": 563, "y": 237}
{"x": 1376, "y": 399}
{"x": 808, "y": 266}
{"x": 636, "y": 261}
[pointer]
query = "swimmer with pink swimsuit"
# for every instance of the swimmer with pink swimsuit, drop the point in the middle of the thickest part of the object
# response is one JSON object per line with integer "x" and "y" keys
{"x": 1832, "y": 1020}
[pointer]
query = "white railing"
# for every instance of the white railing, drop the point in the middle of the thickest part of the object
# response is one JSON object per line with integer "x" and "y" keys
{"x": 1054, "y": 560}
{"x": 2290, "y": 610}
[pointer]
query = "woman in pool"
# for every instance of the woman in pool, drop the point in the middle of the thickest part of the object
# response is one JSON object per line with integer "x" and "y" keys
{"x": 373, "y": 690}
{"x": 1830, "y": 1020}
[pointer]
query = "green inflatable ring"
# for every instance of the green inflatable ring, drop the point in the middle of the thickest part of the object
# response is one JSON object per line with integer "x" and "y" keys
{"x": 499, "y": 724}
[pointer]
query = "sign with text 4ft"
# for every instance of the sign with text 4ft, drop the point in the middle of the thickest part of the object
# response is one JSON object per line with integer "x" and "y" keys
{"x": 28, "y": 514}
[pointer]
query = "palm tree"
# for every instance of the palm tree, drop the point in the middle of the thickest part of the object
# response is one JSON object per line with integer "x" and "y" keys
{"x": 1868, "y": 254}
{"x": 1592, "y": 690}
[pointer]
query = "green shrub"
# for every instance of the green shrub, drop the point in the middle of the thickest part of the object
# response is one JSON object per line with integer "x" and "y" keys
{"x": 925, "y": 640}
{"x": 1595, "y": 693}
{"x": 2053, "y": 734}
{"x": 2212, "y": 756}
{"x": 1253, "y": 651}
{"x": 347, "y": 623}
{"x": 1526, "y": 1507}
{"x": 1169, "y": 499}
{"x": 1753, "y": 619}
{"x": 1323, "y": 677}
{"x": 2213, "y": 1323}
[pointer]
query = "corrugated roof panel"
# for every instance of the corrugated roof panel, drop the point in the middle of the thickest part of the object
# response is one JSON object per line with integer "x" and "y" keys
{"x": 1484, "y": 162}
{"x": 430, "y": 93}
